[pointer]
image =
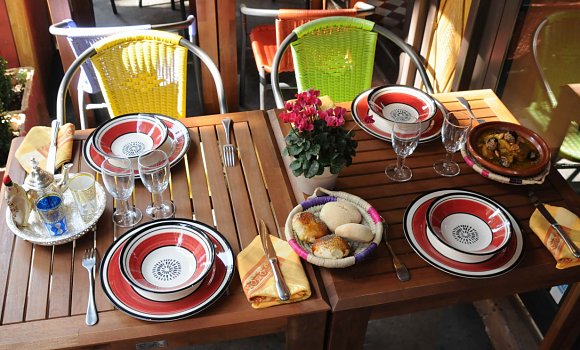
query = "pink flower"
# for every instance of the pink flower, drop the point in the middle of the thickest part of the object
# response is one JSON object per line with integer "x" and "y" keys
{"x": 368, "y": 119}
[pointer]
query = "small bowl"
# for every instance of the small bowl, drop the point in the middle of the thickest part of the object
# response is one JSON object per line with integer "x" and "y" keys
{"x": 525, "y": 170}
{"x": 130, "y": 136}
{"x": 468, "y": 225}
{"x": 391, "y": 102}
{"x": 167, "y": 262}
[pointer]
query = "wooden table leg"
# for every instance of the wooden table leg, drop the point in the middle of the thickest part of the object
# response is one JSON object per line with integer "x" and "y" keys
{"x": 347, "y": 329}
{"x": 565, "y": 328}
{"x": 306, "y": 332}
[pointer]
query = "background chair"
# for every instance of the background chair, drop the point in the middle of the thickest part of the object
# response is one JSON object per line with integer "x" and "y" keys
{"x": 141, "y": 71}
{"x": 181, "y": 6}
{"x": 556, "y": 53}
{"x": 336, "y": 56}
{"x": 81, "y": 39}
{"x": 265, "y": 39}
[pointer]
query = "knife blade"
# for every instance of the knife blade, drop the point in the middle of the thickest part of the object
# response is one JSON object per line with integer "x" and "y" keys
{"x": 281, "y": 287}
{"x": 546, "y": 214}
{"x": 51, "y": 158}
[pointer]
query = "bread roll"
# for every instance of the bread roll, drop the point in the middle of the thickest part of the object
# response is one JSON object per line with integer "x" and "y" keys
{"x": 308, "y": 227}
{"x": 355, "y": 232}
{"x": 335, "y": 214}
{"x": 330, "y": 247}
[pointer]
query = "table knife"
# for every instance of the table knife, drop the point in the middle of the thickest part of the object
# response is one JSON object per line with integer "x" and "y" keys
{"x": 546, "y": 214}
{"x": 281, "y": 287}
{"x": 51, "y": 158}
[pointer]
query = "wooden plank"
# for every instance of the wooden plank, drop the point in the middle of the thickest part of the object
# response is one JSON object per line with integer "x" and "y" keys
{"x": 37, "y": 299}
{"x": 228, "y": 50}
{"x": 198, "y": 181}
{"x": 220, "y": 198}
{"x": 16, "y": 290}
{"x": 563, "y": 333}
{"x": 208, "y": 41}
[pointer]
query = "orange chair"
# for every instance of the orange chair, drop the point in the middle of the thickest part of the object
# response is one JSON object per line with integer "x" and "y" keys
{"x": 265, "y": 39}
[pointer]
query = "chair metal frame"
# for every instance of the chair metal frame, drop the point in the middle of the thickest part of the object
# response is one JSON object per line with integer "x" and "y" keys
{"x": 81, "y": 38}
{"x": 91, "y": 51}
{"x": 362, "y": 9}
{"x": 406, "y": 48}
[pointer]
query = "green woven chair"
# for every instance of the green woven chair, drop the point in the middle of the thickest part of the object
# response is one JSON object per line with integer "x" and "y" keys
{"x": 556, "y": 52}
{"x": 336, "y": 56}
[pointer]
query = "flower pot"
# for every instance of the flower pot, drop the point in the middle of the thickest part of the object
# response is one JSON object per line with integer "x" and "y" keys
{"x": 326, "y": 180}
{"x": 18, "y": 117}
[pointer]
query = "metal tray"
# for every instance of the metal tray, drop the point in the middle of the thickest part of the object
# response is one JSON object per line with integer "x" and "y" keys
{"x": 36, "y": 233}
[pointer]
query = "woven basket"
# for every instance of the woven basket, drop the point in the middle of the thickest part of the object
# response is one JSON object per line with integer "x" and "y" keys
{"x": 535, "y": 180}
{"x": 370, "y": 218}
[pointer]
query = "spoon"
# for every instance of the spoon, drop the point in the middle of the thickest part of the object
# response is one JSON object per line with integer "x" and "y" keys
{"x": 466, "y": 105}
{"x": 400, "y": 268}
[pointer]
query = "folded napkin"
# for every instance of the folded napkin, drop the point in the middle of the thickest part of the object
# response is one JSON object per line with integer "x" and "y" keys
{"x": 258, "y": 279}
{"x": 36, "y": 144}
{"x": 571, "y": 225}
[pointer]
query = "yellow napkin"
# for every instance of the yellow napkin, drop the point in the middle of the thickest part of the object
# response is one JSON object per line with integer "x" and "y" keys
{"x": 571, "y": 225}
{"x": 258, "y": 280}
{"x": 36, "y": 144}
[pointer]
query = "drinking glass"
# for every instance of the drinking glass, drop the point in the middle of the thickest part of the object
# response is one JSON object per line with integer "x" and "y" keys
{"x": 453, "y": 134}
{"x": 119, "y": 179}
{"x": 404, "y": 137}
{"x": 154, "y": 171}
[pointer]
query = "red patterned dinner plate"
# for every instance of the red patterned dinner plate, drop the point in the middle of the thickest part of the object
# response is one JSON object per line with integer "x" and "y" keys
{"x": 415, "y": 227}
{"x": 360, "y": 109}
{"x": 127, "y": 300}
{"x": 176, "y": 131}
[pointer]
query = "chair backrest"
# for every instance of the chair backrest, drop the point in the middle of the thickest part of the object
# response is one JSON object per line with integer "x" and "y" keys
{"x": 290, "y": 19}
{"x": 142, "y": 72}
{"x": 336, "y": 56}
{"x": 82, "y": 38}
{"x": 556, "y": 51}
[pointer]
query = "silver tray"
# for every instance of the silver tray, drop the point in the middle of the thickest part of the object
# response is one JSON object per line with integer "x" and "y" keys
{"x": 36, "y": 233}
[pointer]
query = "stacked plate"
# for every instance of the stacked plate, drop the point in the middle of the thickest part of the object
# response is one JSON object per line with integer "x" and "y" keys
{"x": 464, "y": 233}
{"x": 131, "y": 135}
{"x": 167, "y": 269}
{"x": 399, "y": 101}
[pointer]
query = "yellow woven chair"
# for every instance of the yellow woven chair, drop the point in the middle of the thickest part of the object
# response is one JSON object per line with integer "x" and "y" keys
{"x": 142, "y": 72}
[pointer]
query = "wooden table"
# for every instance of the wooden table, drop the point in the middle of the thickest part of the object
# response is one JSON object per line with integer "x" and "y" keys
{"x": 43, "y": 290}
{"x": 371, "y": 290}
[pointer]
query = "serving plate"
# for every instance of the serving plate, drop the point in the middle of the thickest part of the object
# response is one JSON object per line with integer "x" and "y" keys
{"x": 380, "y": 129}
{"x": 36, "y": 233}
{"x": 177, "y": 132}
{"x": 127, "y": 300}
{"x": 415, "y": 232}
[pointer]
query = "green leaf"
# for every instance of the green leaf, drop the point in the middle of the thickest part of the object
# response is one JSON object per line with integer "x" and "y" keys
{"x": 295, "y": 150}
{"x": 296, "y": 164}
{"x": 312, "y": 170}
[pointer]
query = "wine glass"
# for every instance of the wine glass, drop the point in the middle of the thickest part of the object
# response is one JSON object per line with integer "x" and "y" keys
{"x": 404, "y": 137}
{"x": 453, "y": 134}
{"x": 119, "y": 179}
{"x": 154, "y": 171}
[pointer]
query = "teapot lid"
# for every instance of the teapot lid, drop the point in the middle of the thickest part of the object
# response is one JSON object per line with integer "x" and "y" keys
{"x": 38, "y": 177}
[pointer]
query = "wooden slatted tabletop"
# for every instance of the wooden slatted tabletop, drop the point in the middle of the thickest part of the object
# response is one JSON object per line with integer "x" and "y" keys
{"x": 371, "y": 290}
{"x": 43, "y": 290}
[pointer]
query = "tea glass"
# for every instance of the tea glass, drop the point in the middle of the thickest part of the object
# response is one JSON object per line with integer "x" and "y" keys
{"x": 82, "y": 187}
{"x": 50, "y": 208}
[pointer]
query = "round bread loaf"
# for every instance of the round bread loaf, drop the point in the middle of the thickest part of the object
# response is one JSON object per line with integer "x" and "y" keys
{"x": 335, "y": 214}
{"x": 308, "y": 227}
{"x": 355, "y": 232}
{"x": 330, "y": 247}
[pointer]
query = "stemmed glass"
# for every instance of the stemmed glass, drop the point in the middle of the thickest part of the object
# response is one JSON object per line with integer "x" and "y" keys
{"x": 119, "y": 179}
{"x": 453, "y": 134}
{"x": 154, "y": 171}
{"x": 404, "y": 137}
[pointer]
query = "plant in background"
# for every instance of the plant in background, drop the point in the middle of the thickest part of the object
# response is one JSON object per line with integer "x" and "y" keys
{"x": 318, "y": 138}
{"x": 8, "y": 99}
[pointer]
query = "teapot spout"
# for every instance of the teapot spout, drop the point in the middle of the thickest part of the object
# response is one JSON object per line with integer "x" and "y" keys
{"x": 62, "y": 184}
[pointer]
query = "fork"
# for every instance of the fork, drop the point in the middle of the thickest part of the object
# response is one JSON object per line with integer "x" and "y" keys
{"x": 400, "y": 268}
{"x": 89, "y": 262}
{"x": 466, "y": 105}
{"x": 229, "y": 150}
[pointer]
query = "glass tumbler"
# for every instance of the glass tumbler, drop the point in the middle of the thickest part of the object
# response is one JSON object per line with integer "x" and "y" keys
{"x": 82, "y": 187}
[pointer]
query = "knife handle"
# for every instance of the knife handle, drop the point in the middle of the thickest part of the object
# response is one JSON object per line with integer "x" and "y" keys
{"x": 281, "y": 287}
{"x": 569, "y": 243}
{"x": 55, "y": 125}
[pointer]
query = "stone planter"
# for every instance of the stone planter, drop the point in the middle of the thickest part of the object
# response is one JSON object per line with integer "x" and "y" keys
{"x": 18, "y": 117}
{"x": 307, "y": 186}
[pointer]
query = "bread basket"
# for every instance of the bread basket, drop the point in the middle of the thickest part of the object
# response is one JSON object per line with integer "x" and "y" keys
{"x": 360, "y": 251}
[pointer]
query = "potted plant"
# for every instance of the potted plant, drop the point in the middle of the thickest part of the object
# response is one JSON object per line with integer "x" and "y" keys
{"x": 14, "y": 93}
{"x": 318, "y": 142}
